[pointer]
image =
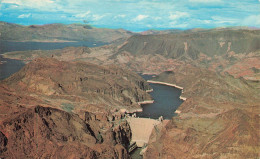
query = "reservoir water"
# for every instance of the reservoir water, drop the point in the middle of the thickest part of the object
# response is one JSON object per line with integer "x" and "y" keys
{"x": 166, "y": 101}
{"x": 8, "y": 46}
{"x": 9, "y": 67}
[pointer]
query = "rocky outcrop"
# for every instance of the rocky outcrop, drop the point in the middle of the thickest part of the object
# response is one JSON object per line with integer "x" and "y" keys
{"x": 79, "y": 81}
{"x": 3, "y": 142}
{"x": 43, "y": 132}
{"x": 28, "y": 131}
{"x": 233, "y": 134}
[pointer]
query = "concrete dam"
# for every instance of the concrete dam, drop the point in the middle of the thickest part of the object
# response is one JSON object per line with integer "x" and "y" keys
{"x": 141, "y": 129}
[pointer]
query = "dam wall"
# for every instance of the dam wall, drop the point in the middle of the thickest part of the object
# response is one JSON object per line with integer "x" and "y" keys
{"x": 141, "y": 129}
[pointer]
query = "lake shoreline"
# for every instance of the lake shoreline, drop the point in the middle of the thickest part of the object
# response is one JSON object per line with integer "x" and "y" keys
{"x": 169, "y": 84}
{"x": 172, "y": 85}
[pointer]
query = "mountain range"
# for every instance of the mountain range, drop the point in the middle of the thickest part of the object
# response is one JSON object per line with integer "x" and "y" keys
{"x": 218, "y": 69}
{"x": 60, "y": 33}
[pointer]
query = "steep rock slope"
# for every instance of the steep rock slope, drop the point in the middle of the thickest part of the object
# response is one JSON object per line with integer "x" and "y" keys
{"x": 190, "y": 44}
{"x": 220, "y": 50}
{"x": 41, "y": 132}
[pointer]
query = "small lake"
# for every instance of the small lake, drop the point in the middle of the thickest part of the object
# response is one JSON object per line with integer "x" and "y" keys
{"x": 166, "y": 101}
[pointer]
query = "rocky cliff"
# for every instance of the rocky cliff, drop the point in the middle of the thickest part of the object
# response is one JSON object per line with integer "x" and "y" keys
{"x": 47, "y": 132}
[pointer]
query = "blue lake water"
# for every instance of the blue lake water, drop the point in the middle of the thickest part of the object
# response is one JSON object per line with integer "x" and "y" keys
{"x": 9, "y": 67}
{"x": 7, "y": 46}
{"x": 166, "y": 101}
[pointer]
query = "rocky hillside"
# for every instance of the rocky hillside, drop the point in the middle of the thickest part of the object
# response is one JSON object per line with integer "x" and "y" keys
{"x": 60, "y": 33}
{"x": 221, "y": 50}
{"x": 235, "y": 51}
{"x": 109, "y": 85}
{"x": 52, "y": 108}
{"x": 190, "y": 44}
{"x": 219, "y": 119}
{"x": 29, "y": 128}
{"x": 209, "y": 84}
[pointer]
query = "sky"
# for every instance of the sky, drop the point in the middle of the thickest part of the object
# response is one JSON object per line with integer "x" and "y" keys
{"x": 134, "y": 15}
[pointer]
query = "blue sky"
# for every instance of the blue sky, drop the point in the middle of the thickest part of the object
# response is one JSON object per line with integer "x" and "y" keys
{"x": 134, "y": 15}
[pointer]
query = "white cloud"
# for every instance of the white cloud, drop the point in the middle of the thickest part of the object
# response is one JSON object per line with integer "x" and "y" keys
{"x": 140, "y": 17}
{"x": 178, "y": 15}
{"x": 63, "y": 16}
{"x": 204, "y": 1}
{"x": 98, "y": 17}
{"x": 206, "y": 21}
{"x": 28, "y": 2}
{"x": 157, "y": 18}
{"x": 224, "y": 20}
{"x": 253, "y": 20}
{"x": 120, "y": 16}
{"x": 178, "y": 25}
{"x": 33, "y": 4}
{"x": 17, "y": 2}
{"x": 24, "y": 15}
{"x": 82, "y": 15}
